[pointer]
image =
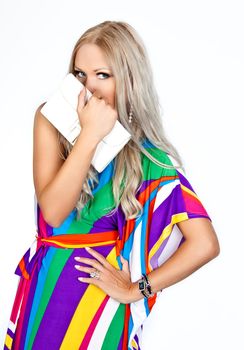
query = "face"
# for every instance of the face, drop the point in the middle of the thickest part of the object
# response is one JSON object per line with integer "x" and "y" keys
{"x": 92, "y": 69}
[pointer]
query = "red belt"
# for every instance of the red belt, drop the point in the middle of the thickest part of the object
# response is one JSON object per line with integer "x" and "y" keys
{"x": 65, "y": 241}
{"x": 78, "y": 240}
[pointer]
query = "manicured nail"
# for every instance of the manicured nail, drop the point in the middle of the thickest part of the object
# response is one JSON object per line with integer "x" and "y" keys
{"x": 87, "y": 248}
{"x": 80, "y": 279}
{"x": 77, "y": 267}
{"x": 77, "y": 258}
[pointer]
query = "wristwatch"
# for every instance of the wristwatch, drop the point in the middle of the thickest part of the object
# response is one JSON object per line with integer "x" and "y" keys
{"x": 145, "y": 287}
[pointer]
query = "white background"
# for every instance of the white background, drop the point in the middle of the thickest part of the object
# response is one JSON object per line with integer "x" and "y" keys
{"x": 196, "y": 50}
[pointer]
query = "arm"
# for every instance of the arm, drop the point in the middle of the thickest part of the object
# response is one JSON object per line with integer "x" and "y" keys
{"x": 201, "y": 246}
{"x": 57, "y": 182}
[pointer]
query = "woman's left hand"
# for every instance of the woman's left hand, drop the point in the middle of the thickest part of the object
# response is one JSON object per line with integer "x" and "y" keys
{"x": 114, "y": 282}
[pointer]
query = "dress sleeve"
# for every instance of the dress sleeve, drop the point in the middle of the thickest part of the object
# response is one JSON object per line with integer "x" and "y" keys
{"x": 167, "y": 198}
{"x": 175, "y": 201}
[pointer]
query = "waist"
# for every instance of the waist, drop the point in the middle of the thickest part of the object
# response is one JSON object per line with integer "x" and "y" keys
{"x": 81, "y": 240}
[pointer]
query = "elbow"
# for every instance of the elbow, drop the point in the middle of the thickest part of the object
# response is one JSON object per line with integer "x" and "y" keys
{"x": 51, "y": 219}
{"x": 49, "y": 214}
{"x": 54, "y": 224}
{"x": 212, "y": 250}
{"x": 215, "y": 251}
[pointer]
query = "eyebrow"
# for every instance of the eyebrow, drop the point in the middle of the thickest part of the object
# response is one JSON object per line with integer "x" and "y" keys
{"x": 95, "y": 70}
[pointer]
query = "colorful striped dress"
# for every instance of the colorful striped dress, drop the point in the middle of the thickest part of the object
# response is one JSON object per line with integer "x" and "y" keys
{"x": 53, "y": 310}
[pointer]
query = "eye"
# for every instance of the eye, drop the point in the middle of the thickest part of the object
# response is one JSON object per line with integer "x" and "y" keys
{"x": 79, "y": 74}
{"x": 103, "y": 75}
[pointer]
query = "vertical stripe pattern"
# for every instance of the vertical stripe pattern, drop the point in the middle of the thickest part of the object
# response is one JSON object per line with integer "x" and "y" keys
{"x": 53, "y": 310}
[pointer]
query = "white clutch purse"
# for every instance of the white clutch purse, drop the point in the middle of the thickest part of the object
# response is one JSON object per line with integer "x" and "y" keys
{"x": 60, "y": 110}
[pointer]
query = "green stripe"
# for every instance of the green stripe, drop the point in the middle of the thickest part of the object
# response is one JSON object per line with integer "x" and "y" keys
{"x": 113, "y": 335}
{"x": 154, "y": 171}
{"x": 59, "y": 260}
{"x": 100, "y": 205}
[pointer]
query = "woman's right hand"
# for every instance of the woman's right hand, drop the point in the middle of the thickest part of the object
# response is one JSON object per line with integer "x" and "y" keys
{"x": 96, "y": 116}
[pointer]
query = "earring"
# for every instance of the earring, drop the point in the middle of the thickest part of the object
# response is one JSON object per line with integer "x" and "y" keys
{"x": 131, "y": 114}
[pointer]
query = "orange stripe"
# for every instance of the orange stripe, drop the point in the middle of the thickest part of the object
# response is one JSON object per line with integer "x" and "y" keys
{"x": 23, "y": 269}
{"x": 142, "y": 198}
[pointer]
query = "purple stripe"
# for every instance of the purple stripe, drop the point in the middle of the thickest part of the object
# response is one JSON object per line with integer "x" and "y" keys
{"x": 137, "y": 341}
{"x": 65, "y": 298}
{"x": 25, "y": 257}
{"x": 161, "y": 217}
{"x": 184, "y": 181}
{"x": 182, "y": 240}
{"x": 194, "y": 215}
{"x": 10, "y": 333}
{"x": 49, "y": 228}
{"x": 120, "y": 345}
{"x": 144, "y": 185}
{"x": 120, "y": 221}
{"x": 105, "y": 223}
{"x": 154, "y": 259}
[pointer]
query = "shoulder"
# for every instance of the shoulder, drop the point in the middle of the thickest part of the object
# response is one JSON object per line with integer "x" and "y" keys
{"x": 42, "y": 125}
{"x": 44, "y": 132}
{"x": 39, "y": 117}
{"x": 152, "y": 167}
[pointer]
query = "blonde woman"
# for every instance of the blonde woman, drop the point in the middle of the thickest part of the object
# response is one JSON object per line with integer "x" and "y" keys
{"x": 107, "y": 243}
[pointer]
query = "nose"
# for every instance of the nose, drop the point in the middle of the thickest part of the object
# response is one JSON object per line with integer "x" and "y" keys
{"x": 91, "y": 84}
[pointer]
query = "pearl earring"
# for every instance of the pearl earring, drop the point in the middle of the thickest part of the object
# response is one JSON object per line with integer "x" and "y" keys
{"x": 130, "y": 114}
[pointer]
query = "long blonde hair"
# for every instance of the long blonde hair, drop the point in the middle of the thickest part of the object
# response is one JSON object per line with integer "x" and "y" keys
{"x": 134, "y": 86}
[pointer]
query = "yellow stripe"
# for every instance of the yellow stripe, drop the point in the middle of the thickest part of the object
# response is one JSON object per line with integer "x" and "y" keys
{"x": 85, "y": 311}
{"x": 8, "y": 341}
{"x": 189, "y": 191}
{"x": 166, "y": 232}
{"x": 66, "y": 245}
{"x": 133, "y": 343}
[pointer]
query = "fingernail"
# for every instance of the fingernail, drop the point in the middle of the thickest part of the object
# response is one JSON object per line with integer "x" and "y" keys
{"x": 80, "y": 278}
{"x": 77, "y": 258}
{"x": 77, "y": 267}
{"x": 87, "y": 248}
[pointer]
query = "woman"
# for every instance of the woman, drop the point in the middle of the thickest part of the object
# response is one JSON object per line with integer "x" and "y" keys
{"x": 108, "y": 243}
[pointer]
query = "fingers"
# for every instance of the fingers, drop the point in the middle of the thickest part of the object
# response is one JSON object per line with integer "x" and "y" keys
{"x": 97, "y": 97}
{"x": 100, "y": 262}
{"x": 82, "y": 99}
{"x": 125, "y": 263}
{"x": 91, "y": 262}
{"x": 99, "y": 257}
{"x": 113, "y": 282}
{"x": 85, "y": 268}
{"x": 91, "y": 280}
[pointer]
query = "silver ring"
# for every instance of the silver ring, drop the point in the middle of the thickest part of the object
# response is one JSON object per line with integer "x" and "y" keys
{"x": 95, "y": 274}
